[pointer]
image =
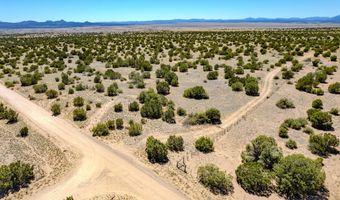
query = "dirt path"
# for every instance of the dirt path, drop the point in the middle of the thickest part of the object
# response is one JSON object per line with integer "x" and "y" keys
{"x": 218, "y": 132}
{"x": 264, "y": 94}
{"x": 98, "y": 115}
{"x": 101, "y": 170}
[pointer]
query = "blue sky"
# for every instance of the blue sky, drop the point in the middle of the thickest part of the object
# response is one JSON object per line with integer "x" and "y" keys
{"x": 139, "y": 10}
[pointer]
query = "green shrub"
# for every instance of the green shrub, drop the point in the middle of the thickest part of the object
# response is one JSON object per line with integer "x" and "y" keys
{"x": 137, "y": 79}
{"x": 318, "y": 91}
{"x": 183, "y": 67}
{"x": 111, "y": 124}
{"x": 283, "y": 131}
{"x": 291, "y": 144}
{"x": 296, "y": 124}
{"x": 9, "y": 84}
{"x": 146, "y": 75}
{"x": 323, "y": 144}
{"x": 207, "y": 68}
{"x": 317, "y": 104}
{"x": 306, "y": 83}
{"x": 24, "y": 132}
{"x": 160, "y": 73}
{"x": 320, "y": 76}
{"x": 196, "y": 92}
{"x": 66, "y": 79}
{"x": 334, "y": 111}
{"x": 204, "y": 144}
{"x": 56, "y": 110}
{"x": 253, "y": 178}
{"x": 79, "y": 114}
{"x": 197, "y": 119}
{"x": 239, "y": 70}
{"x": 308, "y": 130}
{"x": 298, "y": 176}
{"x": 119, "y": 124}
{"x": 15, "y": 176}
{"x": 135, "y": 129}
{"x": 264, "y": 150}
{"x": 118, "y": 107}
{"x": 88, "y": 107}
{"x": 252, "y": 89}
{"x": 213, "y": 115}
{"x": 28, "y": 79}
{"x": 61, "y": 86}
{"x": 238, "y": 87}
{"x": 311, "y": 111}
{"x": 40, "y": 88}
{"x": 147, "y": 95}
{"x": 321, "y": 120}
{"x": 181, "y": 111}
{"x": 213, "y": 75}
{"x": 175, "y": 143}
{"x": 229, "y": 74}
{"x": 297, "y": 67}
{"x": 329, "y": 70}
{"x": 334, "y": 88}
{"x": 100, "y": 129}
{"x": 80, "y": 87}
{"x": 316, "y": 62}
{"x": 113, "y": 89}
{"x": 285, "y": 104}
{"x": 163, "y": 88}
{"x": 156, "y": 151}
{"x": 152, "y": 109}
{"x": 112, "y": 75}
{"x": 217, "y": 181}
{"x": 334, "y": 58}
{"x": 169, "y": 115}
{"x": 51, "y": 94}
{"x": 100, "y": 87}
{"x": 78, "y": 101}
{"x": 171, "y": 78}
{"x": 97, "y": 79}
{"x": 70, "y": 91}
{"x": 10, "y": 115}
{"x": 134, "y": 106}
{"x": 288, "y": 74}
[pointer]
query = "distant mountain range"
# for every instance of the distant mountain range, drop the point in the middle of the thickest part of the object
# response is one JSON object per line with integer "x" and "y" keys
{"x": 66, "y": 24}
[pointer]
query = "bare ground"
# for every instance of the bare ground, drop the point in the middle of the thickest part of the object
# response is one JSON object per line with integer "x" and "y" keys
{"x": 50, "y": 161}
{"x": 101, "y": 169}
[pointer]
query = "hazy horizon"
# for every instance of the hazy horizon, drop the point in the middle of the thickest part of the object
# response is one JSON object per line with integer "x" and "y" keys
{"x": 147, "y": 10}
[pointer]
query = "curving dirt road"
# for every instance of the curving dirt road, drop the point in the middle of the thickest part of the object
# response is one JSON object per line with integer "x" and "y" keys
{"x": 229, "y": 121}
{"x": 101, "y": 170}
{"x": 264, "y": 93}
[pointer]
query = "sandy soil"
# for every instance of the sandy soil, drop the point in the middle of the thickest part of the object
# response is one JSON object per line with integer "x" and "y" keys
{"x": 109, "y": 168}
{"x": 259, "y": 116}
{"x": 80, "y": 175}
{"x": 265, "y": 119}
{"x": 100, "y": 170}
{"x": 50, "y": 162}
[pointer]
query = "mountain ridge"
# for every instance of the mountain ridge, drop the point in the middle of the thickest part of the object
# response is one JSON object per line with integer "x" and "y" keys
{"x": 71, "y": 24}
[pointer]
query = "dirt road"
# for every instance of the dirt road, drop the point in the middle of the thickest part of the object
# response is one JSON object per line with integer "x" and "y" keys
{"x": 264, "y": 94}
{"x": 101, "y": 170}
{"x": 230, "y": 120}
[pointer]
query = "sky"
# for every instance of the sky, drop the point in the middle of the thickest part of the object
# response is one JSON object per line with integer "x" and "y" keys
{"x": 141, "y": 10}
